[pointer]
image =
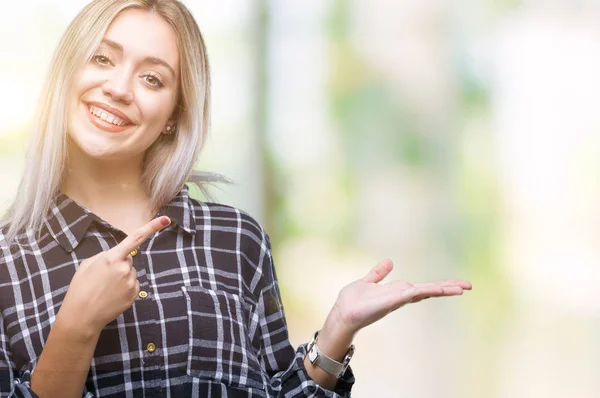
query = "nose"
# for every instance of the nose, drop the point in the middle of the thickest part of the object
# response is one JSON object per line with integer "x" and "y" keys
{"x": 118, "y": 87}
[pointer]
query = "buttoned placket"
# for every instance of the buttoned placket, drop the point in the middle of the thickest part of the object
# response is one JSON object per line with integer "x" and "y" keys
{"x": 150, "y": 333}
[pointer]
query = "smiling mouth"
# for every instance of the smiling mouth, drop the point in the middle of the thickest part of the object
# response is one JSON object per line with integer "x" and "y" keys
{"x": 107, "y": 116}
{"x": 105, "y": 120}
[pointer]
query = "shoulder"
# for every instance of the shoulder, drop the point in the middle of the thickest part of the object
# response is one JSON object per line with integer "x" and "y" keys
{"x": 11, "y": 259}
{"x": 4, "y": 245}
{"x": 228, "y": 218}
{"x": 232, "y": 230}
{"x": 12, "y": 250}
{"x": 9, "y": 248}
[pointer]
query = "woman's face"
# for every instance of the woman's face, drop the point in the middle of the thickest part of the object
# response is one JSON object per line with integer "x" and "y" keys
{"x": 124, "y": 97}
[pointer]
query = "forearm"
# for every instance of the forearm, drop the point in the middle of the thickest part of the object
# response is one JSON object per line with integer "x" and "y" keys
{"x": 334, "y": 341}
{"x": 63, "y": 366}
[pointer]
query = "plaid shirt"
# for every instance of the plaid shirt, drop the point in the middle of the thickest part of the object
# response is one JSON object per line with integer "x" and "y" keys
{"x": 208, "y": 321}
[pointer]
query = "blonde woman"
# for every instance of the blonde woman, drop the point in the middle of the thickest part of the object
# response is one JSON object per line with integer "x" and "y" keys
{"x": 113, "y": 281}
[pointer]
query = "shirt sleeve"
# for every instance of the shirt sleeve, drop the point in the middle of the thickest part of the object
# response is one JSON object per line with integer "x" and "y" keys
{"x": 284, "y": 365}
{"x": 12, "y": 384}
{"x": 17, "y": 384}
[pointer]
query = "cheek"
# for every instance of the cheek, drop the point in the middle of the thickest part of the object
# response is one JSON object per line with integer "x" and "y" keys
{"x": 85, "y": 79}
{"x": 156, "y": 109}
{"x": 82, "y": 83}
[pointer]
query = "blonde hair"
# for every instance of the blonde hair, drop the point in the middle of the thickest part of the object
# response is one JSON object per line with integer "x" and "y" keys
{"x": 168, "y": 162}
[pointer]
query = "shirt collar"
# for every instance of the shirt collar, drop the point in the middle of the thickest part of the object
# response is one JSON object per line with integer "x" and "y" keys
{"x": 67, "y": 221}
{"x": 180, "y": 211}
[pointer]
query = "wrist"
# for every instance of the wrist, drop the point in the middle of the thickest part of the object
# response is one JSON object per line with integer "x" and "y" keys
{"x": 333, "y": 341}
{"x": 75, "y": 327}
{"x": 335, "y": 337}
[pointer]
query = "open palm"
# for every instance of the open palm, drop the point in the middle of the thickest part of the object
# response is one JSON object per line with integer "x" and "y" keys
{"x": 365, "y": 301}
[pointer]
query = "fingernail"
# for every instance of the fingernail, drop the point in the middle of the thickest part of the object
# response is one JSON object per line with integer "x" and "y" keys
{"x": 165, "y": 221}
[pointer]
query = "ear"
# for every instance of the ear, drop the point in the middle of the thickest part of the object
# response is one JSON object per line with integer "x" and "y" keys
{"x": 170, "y": 126}
{"x": 174, "y": 119}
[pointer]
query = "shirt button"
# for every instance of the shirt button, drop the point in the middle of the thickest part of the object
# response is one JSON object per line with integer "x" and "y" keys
{"x": 143, "y": 294}
{"x": 151, "y": 347}
{"x": 173, "y": 223}
{"x": 134, "y": 252}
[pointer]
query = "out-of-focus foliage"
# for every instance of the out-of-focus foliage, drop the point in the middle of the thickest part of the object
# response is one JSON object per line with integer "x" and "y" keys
{"x": 457, "y": 138}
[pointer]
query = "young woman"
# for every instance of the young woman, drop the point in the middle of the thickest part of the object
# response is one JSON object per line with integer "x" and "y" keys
{"x": 113, "y": 281}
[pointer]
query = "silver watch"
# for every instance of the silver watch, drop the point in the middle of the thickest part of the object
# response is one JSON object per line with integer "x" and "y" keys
{"x": 333, "y": 367}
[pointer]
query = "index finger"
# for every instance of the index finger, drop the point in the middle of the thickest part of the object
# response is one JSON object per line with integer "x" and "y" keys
{"x": 135, "y": 240}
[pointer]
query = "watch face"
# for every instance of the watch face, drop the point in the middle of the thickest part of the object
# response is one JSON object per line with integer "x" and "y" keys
{"x": 312, "y": 354}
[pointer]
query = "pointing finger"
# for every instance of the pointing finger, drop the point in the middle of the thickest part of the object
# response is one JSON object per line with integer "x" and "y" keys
{"x": 134, "y": 240}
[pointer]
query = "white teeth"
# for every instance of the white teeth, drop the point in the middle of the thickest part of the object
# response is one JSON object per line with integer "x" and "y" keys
{"x": 107, "y": 117}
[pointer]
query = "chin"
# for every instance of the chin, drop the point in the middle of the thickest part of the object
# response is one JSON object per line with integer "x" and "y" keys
{"x": 90, "y": 143}
{"x": 94, "y": 147}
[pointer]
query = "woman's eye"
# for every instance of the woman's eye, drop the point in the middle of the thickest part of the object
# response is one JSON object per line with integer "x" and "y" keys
{"x": 101, "y": 60}
{"x": 153, "y": 81}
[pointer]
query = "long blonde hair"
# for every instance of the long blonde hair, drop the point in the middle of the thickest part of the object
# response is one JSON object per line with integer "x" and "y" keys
{"x": 168, "y": 162}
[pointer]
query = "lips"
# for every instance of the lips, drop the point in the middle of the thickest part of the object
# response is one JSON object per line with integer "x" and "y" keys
{"x": 107, "y": 118}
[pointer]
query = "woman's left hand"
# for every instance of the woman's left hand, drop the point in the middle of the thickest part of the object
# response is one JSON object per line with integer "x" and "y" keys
{"x": 365, "y": 301}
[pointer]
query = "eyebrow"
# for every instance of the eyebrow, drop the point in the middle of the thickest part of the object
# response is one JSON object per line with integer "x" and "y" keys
{"x": 149, "y": 60}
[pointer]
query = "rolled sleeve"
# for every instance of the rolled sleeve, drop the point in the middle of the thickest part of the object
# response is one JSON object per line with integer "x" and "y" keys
{"x": 20, "y": 386}
{"x": 13, "y": 384}
{"x": 295, "y": 381}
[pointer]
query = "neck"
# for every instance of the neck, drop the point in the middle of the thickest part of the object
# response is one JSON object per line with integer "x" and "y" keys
{"x": 111, "y": 189}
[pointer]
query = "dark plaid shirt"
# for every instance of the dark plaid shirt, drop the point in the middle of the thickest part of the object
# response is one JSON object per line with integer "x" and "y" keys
{"x": 208, "y": 322}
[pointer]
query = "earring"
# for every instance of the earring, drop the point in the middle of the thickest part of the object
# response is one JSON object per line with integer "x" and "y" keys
{"x": 169, "y": 128}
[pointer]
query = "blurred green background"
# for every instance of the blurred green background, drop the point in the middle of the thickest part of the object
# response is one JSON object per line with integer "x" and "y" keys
{"x": 458, "y": 138}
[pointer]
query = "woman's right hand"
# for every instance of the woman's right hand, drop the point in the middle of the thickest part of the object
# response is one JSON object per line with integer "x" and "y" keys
{"x": 106, "y": 284}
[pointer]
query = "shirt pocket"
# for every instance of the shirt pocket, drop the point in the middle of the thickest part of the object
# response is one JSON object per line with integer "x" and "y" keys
{"x": 219, "y": 347}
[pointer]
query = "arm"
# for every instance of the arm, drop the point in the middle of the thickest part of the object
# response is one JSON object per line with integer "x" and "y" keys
{"x": 289, "y": 374}
{"x": 103, "y": 287}
{"x": 63, "y": 366}
{"x": 17, "y": 383}
{"x": 60, "y": 371}
{"x": 358, "y": 305}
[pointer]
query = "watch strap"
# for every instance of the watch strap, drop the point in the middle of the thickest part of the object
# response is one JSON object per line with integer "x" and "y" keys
{"x": 331, "y": 366}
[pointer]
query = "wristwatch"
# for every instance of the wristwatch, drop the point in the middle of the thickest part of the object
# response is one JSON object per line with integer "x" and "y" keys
{"x": 331, "y": 366}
